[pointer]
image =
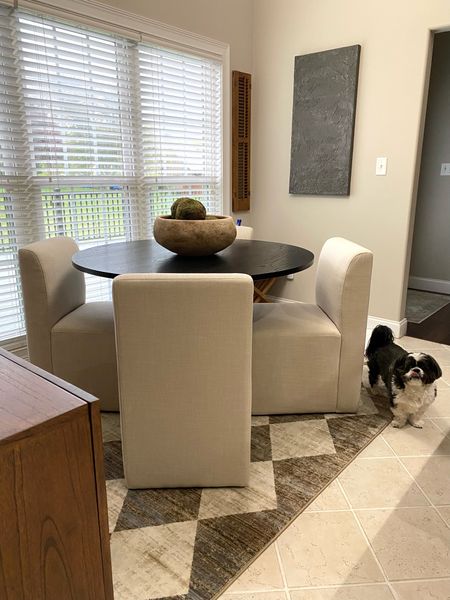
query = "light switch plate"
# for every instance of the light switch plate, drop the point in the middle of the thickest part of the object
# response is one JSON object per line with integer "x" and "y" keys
{"x": 381, "y": 165}
{"x": 445, "y": 169}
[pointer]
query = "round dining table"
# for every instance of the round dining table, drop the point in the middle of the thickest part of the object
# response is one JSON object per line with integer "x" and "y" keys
{"x": 263, "y": 261}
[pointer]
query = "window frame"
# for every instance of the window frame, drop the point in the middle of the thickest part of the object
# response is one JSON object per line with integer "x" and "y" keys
{"x": 143, "y": 29}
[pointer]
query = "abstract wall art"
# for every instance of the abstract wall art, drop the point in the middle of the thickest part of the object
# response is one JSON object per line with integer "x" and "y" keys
{"x": 323, "y": 120}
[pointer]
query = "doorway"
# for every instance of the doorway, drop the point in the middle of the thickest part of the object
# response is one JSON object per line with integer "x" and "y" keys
{"x": 428, "y": 298}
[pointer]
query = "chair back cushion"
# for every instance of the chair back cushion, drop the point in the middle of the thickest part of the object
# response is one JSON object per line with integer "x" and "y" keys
{"x": 243, "y": 232}
{"x": 342, "y": 292}
{"x": 184, "y": 364}
{"x": 51, "y": 289}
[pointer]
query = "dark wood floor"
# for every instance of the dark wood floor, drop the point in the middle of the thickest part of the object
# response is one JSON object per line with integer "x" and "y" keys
{"x": 436, "y": 328}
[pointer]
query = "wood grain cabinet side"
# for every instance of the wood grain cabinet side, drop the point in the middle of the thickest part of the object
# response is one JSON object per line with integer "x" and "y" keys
{"x": 54, "y": 540}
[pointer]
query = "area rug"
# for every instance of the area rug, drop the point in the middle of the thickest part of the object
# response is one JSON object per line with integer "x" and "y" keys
{"x": 420, "y": 305}
{"x": 192, "y": 543}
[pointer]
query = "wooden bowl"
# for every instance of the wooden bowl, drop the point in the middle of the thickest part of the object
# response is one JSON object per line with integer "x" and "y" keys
{"x": 195, "y": 238}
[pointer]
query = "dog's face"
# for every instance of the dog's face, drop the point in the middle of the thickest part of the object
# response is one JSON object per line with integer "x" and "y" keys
{"x": 416, "y": 369}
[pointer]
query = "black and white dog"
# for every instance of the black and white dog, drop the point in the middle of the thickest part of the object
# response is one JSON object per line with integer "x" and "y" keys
{"x": 409, "y": 377}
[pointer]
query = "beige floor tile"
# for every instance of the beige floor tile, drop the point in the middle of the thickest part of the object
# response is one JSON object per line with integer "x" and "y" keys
{"x": 410, "y": 543}
{"x": 440, "y": 352}
{"x": 411, "y": 441}
{"x": 442, "y": 423}
{"x": 442, "y": 385}
{"x": 445, "y": 372}
{"x": 377, "y": 449}
{"x": 326, "y": 548}
{"x": 410, "y": 343}
{"x": 380, "y": 483}
{"x": 432, "y": 473}
{"x": 423, "y": 590}
{"x": 331, "y": 498}
{"x": 355, "y": 592}
{"x": 255, "y": 596}
{"x": 443, "y": 357}
{"x": 444, "y": 511}
{"x": 262, "y": 575}
{"x": 441, "y": 406}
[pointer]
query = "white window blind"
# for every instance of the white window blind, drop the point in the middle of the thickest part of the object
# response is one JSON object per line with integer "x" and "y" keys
{"x": 98, "y": 135}
{"x": 180, "y": 116}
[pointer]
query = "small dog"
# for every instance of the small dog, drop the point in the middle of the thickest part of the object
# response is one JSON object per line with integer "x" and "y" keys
{"x": 409, "y": 377}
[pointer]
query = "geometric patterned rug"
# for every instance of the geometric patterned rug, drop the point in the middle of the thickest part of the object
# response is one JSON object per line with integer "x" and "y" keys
{"x": 192, "y": 543}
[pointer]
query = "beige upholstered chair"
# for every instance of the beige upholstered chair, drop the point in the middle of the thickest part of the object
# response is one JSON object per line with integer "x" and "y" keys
{"x": 65, "y": 336}
{"x": 244, "y": 233}
{"x": 184, "y": 364}
{"x": 308, "y": 358}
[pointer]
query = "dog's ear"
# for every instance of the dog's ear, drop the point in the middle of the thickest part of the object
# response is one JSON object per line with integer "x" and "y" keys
{"x": 432, "y": 370}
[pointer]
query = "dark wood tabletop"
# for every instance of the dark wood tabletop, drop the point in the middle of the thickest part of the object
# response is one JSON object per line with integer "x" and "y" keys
{"x": 259, "y": 259}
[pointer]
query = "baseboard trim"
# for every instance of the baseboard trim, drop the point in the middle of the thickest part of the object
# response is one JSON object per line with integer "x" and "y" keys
{"x": 439, "y": 286}
{"x": 398, "y": 327}
{"x": 17, "y": 346}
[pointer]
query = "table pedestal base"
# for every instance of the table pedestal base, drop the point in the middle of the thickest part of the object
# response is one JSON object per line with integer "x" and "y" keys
{"x": 261, "y": 288}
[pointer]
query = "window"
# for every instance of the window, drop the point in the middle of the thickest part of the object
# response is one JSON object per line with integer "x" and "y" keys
{"x": 98, "y": 135}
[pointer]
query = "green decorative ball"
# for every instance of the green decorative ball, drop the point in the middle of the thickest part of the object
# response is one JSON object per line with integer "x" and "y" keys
{"x": 173, "y": 208}
{"x": 188, "y": 209}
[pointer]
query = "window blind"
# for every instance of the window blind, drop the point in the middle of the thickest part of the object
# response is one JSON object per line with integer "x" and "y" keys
{"x": 181, "y": 114}
{"x": 99, "y": 134}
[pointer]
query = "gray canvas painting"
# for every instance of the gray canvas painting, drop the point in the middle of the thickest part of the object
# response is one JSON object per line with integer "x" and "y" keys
{"x": 323, "y": 119}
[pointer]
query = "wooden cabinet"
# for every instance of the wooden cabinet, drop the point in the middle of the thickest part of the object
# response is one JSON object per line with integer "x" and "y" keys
{"x": 54, "y": 540}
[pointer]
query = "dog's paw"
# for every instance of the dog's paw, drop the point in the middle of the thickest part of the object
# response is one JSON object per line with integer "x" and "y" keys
{"x": 419, "y": 423}
{"x": 397, "y": 423}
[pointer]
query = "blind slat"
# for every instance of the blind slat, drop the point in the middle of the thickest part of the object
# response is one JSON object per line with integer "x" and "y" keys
{"x": 98, "y": 135}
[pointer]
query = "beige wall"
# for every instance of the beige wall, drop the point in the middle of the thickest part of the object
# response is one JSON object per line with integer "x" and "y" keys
{"x": 229, "y": 21}
{"x": 431, "y": 242}
{"x": 264, "y": 38}
{"x": 394, "y": 37}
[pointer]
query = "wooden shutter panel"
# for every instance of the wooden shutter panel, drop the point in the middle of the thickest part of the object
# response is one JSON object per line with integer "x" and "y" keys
{"x": 240, "y": 141}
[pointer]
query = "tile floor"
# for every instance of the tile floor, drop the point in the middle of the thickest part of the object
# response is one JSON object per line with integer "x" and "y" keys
{"x": 381, "y": 531}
